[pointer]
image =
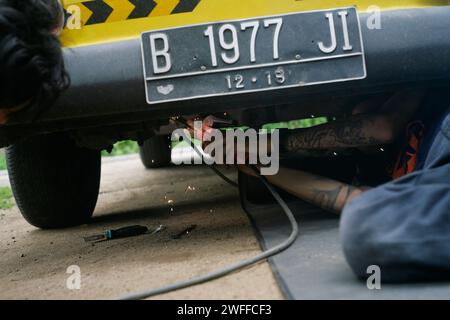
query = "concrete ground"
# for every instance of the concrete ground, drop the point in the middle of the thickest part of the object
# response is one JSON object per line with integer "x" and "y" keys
{"x": 34, "y": 262}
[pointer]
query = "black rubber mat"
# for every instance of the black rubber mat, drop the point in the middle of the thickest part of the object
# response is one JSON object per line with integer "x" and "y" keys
{"x": 314, "y": 266}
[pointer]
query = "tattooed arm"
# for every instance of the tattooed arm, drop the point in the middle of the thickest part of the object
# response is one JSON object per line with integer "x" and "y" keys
{"x": 358, "y": 130}
{"x": 330, "y": 195}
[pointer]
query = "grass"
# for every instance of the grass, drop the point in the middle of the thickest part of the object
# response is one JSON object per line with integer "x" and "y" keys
{"x": 122, "y": 148}
{"x": 2, "y": 161}
{"x": 6, "y": 198}
{"x": 296, "y": 124}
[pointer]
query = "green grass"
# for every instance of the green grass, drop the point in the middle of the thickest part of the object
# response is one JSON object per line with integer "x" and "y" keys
{"x": 296, "y": 124}
{"x": 6, "y": 198}
{"x": 2, "y": 161}
{"x": 122, "y": 148}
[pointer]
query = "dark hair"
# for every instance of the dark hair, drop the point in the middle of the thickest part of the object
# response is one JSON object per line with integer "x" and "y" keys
{"x": 31, "y": 59}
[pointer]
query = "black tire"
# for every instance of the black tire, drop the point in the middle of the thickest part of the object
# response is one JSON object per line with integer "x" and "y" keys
{"x": 156, "y": 152}
{"x": 55, "y": 182}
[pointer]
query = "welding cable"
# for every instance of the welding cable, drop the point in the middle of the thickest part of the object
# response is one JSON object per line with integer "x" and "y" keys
{"x": 224, "y": 177}
{"x": 212, "y": 167}
{"x": 234, "y": 267}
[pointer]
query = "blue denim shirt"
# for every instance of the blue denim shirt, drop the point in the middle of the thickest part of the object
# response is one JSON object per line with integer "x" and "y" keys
{"x": 403, "y": 226}
{"x": 434, "y": 116}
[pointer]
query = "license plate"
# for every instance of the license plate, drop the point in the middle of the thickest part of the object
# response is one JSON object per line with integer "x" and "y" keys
{"x": 257, "y": 54}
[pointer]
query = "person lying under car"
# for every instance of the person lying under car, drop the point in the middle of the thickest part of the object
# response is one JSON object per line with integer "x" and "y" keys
{"x": 32, "y": 72}
{"x": 402, "y": 225}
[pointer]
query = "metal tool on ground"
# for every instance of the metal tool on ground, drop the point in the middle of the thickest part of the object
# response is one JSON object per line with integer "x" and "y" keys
{"x": 185, "y": 231}
{"x": 124, "y": 232}
{"x": 159, "y": 229}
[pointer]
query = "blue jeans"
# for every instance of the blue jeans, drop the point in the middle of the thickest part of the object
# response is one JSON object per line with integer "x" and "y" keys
{"x": 403, "y": 226}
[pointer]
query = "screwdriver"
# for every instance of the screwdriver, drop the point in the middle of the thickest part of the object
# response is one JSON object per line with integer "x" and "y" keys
{"x": 124, "y": 232}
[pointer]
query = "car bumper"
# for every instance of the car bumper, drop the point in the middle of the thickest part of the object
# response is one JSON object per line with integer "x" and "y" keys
{"x": 411, "y": 48}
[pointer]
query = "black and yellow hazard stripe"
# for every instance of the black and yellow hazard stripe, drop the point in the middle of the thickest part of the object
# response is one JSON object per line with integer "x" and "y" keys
{"x": 104, "y": 11}
{"x": 96, "y": 17}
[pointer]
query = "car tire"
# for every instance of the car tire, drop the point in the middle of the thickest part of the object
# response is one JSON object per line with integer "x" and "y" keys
{"x": 54, "y": 181}
{"x": 156, "y": 152}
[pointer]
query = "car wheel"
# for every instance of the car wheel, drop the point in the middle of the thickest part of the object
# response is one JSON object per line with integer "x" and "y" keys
{"x": 156, "y": 152}
{"x": 55, "y": 182}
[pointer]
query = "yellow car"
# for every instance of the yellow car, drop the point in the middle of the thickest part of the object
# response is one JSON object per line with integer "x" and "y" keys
{"x": 135, "y": 64}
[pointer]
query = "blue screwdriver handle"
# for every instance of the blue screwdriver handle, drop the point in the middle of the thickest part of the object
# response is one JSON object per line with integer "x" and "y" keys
{"x": 125, "y": 232}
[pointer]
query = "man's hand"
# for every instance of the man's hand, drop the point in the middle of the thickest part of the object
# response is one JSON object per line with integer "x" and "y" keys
{"x": 207, "y": 135}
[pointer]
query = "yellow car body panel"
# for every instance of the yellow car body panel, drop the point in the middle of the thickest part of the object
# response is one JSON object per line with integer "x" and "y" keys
{"x": 116, "y": 24}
